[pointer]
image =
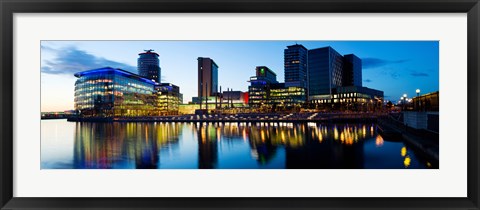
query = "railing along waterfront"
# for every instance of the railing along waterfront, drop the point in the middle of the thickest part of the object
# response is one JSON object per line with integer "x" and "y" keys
{"x": 249, "y": 117}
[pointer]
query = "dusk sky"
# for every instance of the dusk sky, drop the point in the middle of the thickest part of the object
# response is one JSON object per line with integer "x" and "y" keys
{"x": 395, "y": 67}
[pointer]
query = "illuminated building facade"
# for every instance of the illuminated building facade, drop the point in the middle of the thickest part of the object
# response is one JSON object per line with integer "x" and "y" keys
{"x": 353, "y": 98}
{"x": 426, "y": 103}
{"x": 109, "y": 92}
{"x": 264, "y": 90}
{"x": 259, "y": 89}
{"x": 287, "y": 97}
{"x": 168, "y": 98}
{"x": 295, "y": 62}
{"x": 148, "y": 65}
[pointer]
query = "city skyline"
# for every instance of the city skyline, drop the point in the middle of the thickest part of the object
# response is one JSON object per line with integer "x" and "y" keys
{"x": 396, "y": 67}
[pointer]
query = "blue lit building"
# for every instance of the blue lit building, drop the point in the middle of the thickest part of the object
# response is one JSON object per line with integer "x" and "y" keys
{"x": 110, "y": 92}
{"x": 259, "y": 89}
{"x": 295, "y": 63}
{"x": 148, "y": 65}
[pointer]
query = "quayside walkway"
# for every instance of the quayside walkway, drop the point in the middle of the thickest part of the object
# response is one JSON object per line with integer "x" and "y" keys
{"x": 260, "y": 117}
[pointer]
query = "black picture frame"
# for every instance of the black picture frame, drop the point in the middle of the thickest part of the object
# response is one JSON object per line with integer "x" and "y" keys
{"x": 10, "y": 7}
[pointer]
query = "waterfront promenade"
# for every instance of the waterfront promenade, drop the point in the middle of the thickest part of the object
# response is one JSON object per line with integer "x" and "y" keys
{"x": 250, "y": 117}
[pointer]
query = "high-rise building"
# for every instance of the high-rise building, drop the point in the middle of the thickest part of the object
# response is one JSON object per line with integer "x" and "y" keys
{"x": 207, "y": 77}
{"x": 295, "y": 61}
{"x": 325, "y": 72}
{"x": 352, "y": 73}
{"x": 148, "y": 65}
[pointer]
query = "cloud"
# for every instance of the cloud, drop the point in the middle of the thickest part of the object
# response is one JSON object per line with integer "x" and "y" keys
{"x": 72, "y": 60}
{"x": 370, "y": 63}
{"x": 367, "y": 80}
{"x": 419, "y": 74}
{"x": 394, "y": 75}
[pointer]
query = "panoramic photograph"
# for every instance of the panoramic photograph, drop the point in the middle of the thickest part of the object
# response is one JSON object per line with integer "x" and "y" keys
{"x": 290, "y": 104}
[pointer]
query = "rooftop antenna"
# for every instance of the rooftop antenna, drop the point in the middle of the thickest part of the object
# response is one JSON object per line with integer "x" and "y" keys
{"x": 148, "y": 51}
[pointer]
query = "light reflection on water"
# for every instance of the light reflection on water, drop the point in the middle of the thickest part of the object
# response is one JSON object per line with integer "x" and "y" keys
{"x": 85, "y": 145}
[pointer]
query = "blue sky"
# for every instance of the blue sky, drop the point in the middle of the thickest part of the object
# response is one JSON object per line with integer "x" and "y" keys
{"x": 396, "y": 67}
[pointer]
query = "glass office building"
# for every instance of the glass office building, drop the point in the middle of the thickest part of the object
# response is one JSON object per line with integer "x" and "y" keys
{"x": 148, "y": 65}
{"x": 259, "y": 89}
{"x": 353, "y": 98}
{"x": 168, "y": 98}
{"x": 109, "y": 92}
{"x": 352, "y": 73}
{"x": 281, "y": 95}
{"x": 295, "y": 61}
{"x": 258, "y": 93}
{"x": 325, "y": 71}
{"x": 264, "y": 90}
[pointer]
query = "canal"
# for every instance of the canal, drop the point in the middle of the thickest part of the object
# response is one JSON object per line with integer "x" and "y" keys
{"x": 155, "y": 145}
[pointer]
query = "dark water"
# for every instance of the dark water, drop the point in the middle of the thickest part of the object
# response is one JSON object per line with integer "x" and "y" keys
{"x": 83, "y": 145}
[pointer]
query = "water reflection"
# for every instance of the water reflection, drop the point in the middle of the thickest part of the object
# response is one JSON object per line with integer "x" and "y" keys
{"x": 229, "y": 145}
{"x": 122, "y": 145}
{"x": 208, "y": 138}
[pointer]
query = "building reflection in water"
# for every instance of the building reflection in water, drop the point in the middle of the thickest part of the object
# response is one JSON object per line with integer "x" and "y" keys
{"x": 306, "y": 145}
{"x": 282, "y": 145}
{"x": 122, "y": 145}
{"x": 207, "y": 145}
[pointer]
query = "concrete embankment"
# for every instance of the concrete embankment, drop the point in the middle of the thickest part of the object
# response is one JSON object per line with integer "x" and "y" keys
{"x": 427, "y": 145}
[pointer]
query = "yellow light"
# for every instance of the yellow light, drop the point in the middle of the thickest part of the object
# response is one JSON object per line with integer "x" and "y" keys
{"x": 404, "y": 151}
{"x": 407, "y": 161}
{"x": 379, "y": 141}
{"x": 244, "y": 134}
{"x": 364, "y": 131}
{"x": 335, "y": 133}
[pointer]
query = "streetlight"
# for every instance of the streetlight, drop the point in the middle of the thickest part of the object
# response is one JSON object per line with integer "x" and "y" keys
{"x": 404, "y": 101}
{"x": 418, "y": 99}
